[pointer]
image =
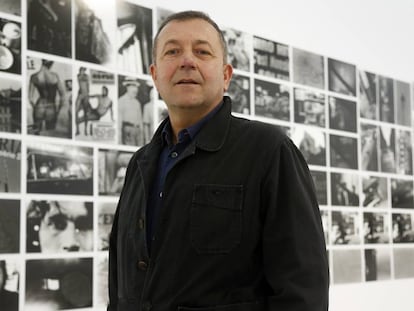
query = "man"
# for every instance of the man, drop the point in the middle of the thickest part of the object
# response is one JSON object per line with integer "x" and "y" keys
{"x": 216, "y": 213}
{"x": 82, "y": 99}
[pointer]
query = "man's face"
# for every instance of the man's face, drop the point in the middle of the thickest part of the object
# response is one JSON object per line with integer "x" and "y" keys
{"x": 189, "y": 71}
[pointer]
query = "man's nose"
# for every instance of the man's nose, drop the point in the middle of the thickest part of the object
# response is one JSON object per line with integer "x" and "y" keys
{"x": 188, "y": 60}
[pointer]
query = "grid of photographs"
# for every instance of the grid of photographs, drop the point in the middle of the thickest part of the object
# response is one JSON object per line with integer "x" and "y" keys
{"x": 77, "y": 101}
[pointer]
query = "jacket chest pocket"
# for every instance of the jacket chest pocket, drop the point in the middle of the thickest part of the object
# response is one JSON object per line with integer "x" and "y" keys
{"x": 216, "y": 218}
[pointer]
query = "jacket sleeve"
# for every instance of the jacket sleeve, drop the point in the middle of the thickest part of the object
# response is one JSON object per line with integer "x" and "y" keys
{"x": 294, "y": 251}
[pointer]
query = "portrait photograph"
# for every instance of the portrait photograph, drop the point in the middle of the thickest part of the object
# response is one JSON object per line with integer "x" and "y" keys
{"x": 9, "y": 283}
{"x": 403, "y": 263}
{"x": 239, "y": 47}
{"x": 10, "y": 105}
{"x": 374, "y": 191}
{"x": 342, "y": 114}
{"x": 376, "y": 228}
{"x": 271, "y": 59}
{"x": 10, "y": 162}
{"x": 387, "y": 149}
{"x": 11, "y": 7}
{"x": 347, "y": 266}
{"x": 309, "y": 107}
{"x": 106, "y": 213}
{"x": 345, "y": 189}
{"x": 369, "y": 147}
{"x": 9, "y": 226}
{"x": 402, "y": 193}
{"x": 308, "y": 68}
{"x": 49, "y": 27}
{"x": 59, "y": 169}
{"x": 404, "y": 152}
{"x": 386, "y": 99}
{"x": 344, "y": 152}
{"x": 49, "y": 109}
{"x": 239, "y": 92}
{"x": 271, "y": 100}
{"x": 345, "y": 228}
{"x": 59, "y": 284}
{"x": 10, "y": 46}
{"x": 134, "y": 38}
{"x": 402, "y": 102}
{"x": 368, "y": 104}
{"x": 377, "y": 264}
{"x": 402, "y": 228}
{"x": 320, "y": 182}
{"x": 341, "y": 77}
{"x": 54, "y": 227}
{"x": 312, "y": 144}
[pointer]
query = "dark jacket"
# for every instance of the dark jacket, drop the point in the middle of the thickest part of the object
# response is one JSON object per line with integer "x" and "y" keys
{"x": 239, "y": 229}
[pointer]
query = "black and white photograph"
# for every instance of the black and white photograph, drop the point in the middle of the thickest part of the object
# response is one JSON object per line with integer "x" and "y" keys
{"x": 309, "y": 107}
{"x": 325, "y": 217}
{"x": 135, "y": 111}
{"x": 10, "y": 161}
{"x": 369, "y": 147}
{"x": 368, "y": 104}
{"x": 404, "y": 153}
{"x": 10, "y": 46}
{"x": 10, "y": 7}
{"x": 95, "y": 105}
{"x": 402, "y": 193}
{"x": 345, "y": 189}
{"x": 377, "y": 264}
{"x": 10, "y": 105}
{"x": 106, "y": 213}
{"x": 162, "y": 14}
{"x": 59, "y": 284}
{"x": 347, "y": 266}
{"x": 239, "y": 46}
{"x": 375, "y": 191}
{"x": 101, "y": 281}
{"x": 49, "y": 28}
{"x": 345, "y": 228}
{"x": 402, "y": 102}
{"x": 376, "y": 228}
{"x": 49, "y": 112}
{"x": 95, "y": 31}
{"x": 272, "y": 100}
{"x": 403, "y": 263}
{"x": 341, "y": 77}
{"x": 271, "y": 59}
{"x": 239, "y": 91}
{"x": 59, "y": 169}
{"x": 308, "y": 68}
{"x": 112, "y": 165}
{"x": 59, "y": 227}
{"x": 134, "y": 38}
{"x": 312, "y": 143}
{"x": 386, "y": 99}
{"x": 9, "y": 226}
{"x": 387, "y": 149}
{"x": 319, "y": 180}
{"x": 342, "y": 114}
{"x": 344, "y": 152}
{"x": 9, "y": 284}
{"x": 403, "y": 228}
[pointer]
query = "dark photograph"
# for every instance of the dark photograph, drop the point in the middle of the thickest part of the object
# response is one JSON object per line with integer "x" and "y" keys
{"x": 308, "y": 68}
{"x": 312, "y": 143}
{"x": 10, "y": 7}
{"x": 342, "y": 114}
{"x": 59, "y": 284}
{"x": 309, "y": 107}
{"x": 345, "y": 228}
{"x": 404, "y": 153}
{"x": 386, "y": 99}
{"x": 345, "y": 189}
{"x": 112, "y": 165}
{"x": 376, "y": 228}
{"x": 403, "y": 263}
{"x": 369, "y": 147}
{"x": 9, "y": 226}
{"x": 375, "y": 191}
{"x": 10, "y": 161}
{"x": 387, "y": 149}
{"x": 106, "y": 212}
{"x": 95, "y": 31}
{"x": 95, "y": 105}
{"x": 49, "y": 26}
{"x": 402, "y": 103}
{"x": 402, "y": 193}
{"x": 368, "y": 104}
{"x": 134, "y": 37}
{"x": 319, "y": 180}
{"x": 344, "y": 152}
{"x": 377, "y": 264}
{"x": 239, "y": 91}
{"x": 135, "y": 111}
{"x": 402, "y": 228}
{"x": 10, "y": 105}
{"x": 59, "y": 169}
{"x": 59, "y": 226}
{"x": 271, "y": 58}
{"x": 341, "y": 77}
{"x": 239, "y": 45}
{"x": 9, "y": 285}
{"x": 347, "y": 266}
{"x": 271, "y": 100}
{"x": 10, "y": 46}
{"x": 50, "y": 98}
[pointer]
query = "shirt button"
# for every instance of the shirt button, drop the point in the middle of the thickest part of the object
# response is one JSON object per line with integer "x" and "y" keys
{"x": 142, "y": 265}
{"x": 174, "y": 155}
{"x": 146, "y": 306}
{"x": 160, "y": 194}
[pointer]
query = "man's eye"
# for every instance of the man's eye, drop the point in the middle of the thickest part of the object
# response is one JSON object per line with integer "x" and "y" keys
{"x": 172, "y": 52}
{"x": 203, "y": 52}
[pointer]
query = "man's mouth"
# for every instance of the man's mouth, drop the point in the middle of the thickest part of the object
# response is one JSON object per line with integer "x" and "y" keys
{"x": 187, "y": 81}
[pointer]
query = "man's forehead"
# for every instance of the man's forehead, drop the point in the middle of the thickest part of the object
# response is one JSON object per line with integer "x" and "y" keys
{"x": 175, "y": 30}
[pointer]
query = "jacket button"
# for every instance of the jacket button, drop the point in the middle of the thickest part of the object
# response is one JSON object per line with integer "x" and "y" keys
{"x": 146, "y": 306}
{"x": 141, "y": 223}
{"x": 142, "y": 265}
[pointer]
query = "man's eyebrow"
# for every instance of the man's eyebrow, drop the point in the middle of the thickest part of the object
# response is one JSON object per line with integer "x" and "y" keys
{"x": 196, "y": 42}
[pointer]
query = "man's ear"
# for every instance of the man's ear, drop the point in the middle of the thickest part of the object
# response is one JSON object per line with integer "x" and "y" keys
{"x": 227, "y": 74}
{"x": 153, "y": 70}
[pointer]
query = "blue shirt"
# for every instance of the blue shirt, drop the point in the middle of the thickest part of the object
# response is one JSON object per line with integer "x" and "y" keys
{"x": 170, "y": 154}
